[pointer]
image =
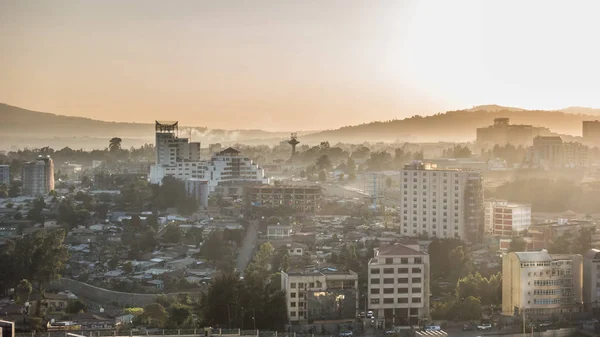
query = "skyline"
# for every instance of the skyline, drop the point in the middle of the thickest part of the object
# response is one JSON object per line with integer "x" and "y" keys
{"x": 292, "y": 66}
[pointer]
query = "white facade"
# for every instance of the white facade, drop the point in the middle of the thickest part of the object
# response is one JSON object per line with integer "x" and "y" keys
{"x": 541, "y": 283}
{"x": 399, "y": 285}
{"x": 5, "y": 175}
{"x": 38, "y": 177}
{"x": 509, "y": 218}
{"x": 320, "y": 295}
{"x": 489, "y": 206}
{"x": 180, "y": 158}
{"x": 441, "y": 203}
{"x": 199, "y": 190}
{"x": 278, "y": 232}
{"x": 591, "y": 280}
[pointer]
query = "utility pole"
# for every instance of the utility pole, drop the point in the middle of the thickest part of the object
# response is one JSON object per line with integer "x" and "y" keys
{"x": 524, "y": 333}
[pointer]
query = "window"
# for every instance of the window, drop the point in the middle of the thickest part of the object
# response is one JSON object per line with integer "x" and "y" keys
{"x": 416, "y": 300}
{"x": 403, "y": 280}
{"x": 293, "y": 304}
{"x": 374, "y": 270}
{"x": 416, "y": 290}
{"x": 418, "y": 260}
{"x": 416, "y": 270}
{"x": 292, "y": 314}
{"x": 374, "y": 301}
{"x": 375, "y": 281}
{"x": 402, "y": 300}
{"x": 374, "y": 291}
{"x": 388, "y": 281}
{"x": 389, "y": 260}
{"x": 388, "y": 290}
{"x": 388, "y": 301}
{"x": 293, "y": 285}
{"x": 311, "y": 285}
{"x": 404, "y": 260}
{"x": 402, "y": 290}
{"x": 293, "y": 295}
{"x": 403, "y": 270}
{"x": 416, "y": 280}
{"x": 388, "y": 270}
{"x": 414, "y": 311}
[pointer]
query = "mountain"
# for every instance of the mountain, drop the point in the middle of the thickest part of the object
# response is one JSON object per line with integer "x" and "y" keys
{"x": 459, "y": 125}
{"x": 493, "y": 108}
{"x": 19, "y": 122}
{"x": 581, "y": 110}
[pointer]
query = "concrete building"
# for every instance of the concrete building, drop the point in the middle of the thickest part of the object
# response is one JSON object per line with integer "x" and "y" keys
{"x": 5, "y": 175}
{"x": 441, "y": 203}
{"x": 575, "y": 154}
{"x": 399, "y": 285}
{"x": 591, "y": 281}
{"x": 279, "y": 232}
{"x": 180, "y": 158}
{"x": 304, "y": 199}
{"x": 542, "y": 284}
{"x": 325, "y": 294}
{"x": 591, "y": 132}
{"x": 38, "y": 177}
{"x": 509, "y": 218}
{"x": 548, "y": 152}
{"x": 198, "y": 189}
{"x": 502, "y": 132}
{"x": 489, "y": 206}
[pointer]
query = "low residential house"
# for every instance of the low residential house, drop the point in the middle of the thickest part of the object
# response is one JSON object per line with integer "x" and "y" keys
{"x": 91, "y": 321}
{"x": 52, "y": 302}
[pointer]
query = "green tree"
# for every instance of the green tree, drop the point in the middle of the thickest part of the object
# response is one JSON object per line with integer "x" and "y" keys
{"x": 213, "y": 248}
{"x": 172, "y": 234}
{"x": 517, "y": 244}
{"x": 322, "y": 176}
{"x": 259, "y": 267}
{"x": 156, "y": 314}
{"x": 75, "y": 307}
{"x": 128, "y": 267}
{"x": 469, "y": 308}
{"x": 180, "y": 314}
{"x": 114, "y": 145}
{"x": 323, "y": 163}
{"x": 195, "y": 235}
{"x": 23, "y": 291}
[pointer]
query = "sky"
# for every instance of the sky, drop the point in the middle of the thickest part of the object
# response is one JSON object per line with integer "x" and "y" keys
{"x": 298, "y": 64}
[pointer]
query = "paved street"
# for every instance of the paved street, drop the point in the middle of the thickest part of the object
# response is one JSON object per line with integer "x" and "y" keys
{"x": 245, "y": 253}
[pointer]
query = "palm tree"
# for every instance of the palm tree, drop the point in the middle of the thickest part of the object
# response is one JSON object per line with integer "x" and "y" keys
{"x": 114, "y": 144}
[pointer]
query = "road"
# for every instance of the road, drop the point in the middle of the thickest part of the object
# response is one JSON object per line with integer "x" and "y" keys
{"x": 245, "y": 253}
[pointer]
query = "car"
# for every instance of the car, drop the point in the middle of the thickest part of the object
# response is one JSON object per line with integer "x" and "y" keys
{"x": 433, "y": 328}
{"x": 467, "y": 327}
{"x": 390, "y": 332}
{"x": 346, "y": 334}
{"x": 369, "y": 314}
{"x": 485, "y": 326}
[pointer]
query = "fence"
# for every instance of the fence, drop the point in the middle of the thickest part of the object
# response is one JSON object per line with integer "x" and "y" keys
{"x": 106, "y": 296}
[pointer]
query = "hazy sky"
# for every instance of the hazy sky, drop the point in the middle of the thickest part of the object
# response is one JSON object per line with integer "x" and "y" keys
{"x": 295, "y": 65}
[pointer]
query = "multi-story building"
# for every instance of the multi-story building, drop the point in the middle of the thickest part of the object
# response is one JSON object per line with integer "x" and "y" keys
{"x": 323, "y": 294}
{"x": 541, "y": 284}
{"x": 591, "y": 281}
{"x": 509, "y": 218}
{"x": 591, "y": 132}
{"x": 180, "y": 158}
{"x": 5, "y": 175}
{"x": 198, "y": 189}
{"x": 399, "y": 285}
{"x": 279, "y": 232}
{"x": 548, "y": 151}
{"x": 38, "y": 177}
{"x": 575, "y": 154}
{"x": 302, "y": 198}
{"x": 489, "y": 206}
{"x": 502, "y": 132}
{"x": 441, "y": 203}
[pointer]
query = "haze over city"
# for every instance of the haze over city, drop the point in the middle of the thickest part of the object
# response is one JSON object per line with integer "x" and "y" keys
{"x": 294, "y": 65}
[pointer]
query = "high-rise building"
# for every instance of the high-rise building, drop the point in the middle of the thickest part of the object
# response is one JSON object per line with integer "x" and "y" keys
{"x": 509, "y": 218}
{"x": 38, "y": 177}
{"x": 5, "y": 175}
{"x": 549, "y": 151}
{"x": 198, "y": 189}
{"x": 304, "y": 199}
{"x": 398, "y": 287}
{"x": 591, "y": 132}
{"x": 180, "y": 158}
{"x": 541, "y": 284}
{"x": 325, "y": 294}
{"x": 591, "y": 281}
{"x": 443, "y": 203}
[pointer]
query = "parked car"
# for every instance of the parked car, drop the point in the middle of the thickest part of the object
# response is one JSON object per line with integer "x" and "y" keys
{"x": 468, "y": 327}
{"x": 346, "y": 334}
{"x": 485, "y": 326}
{"x": 369, "y": 314}
{"x": 433, "y": 328}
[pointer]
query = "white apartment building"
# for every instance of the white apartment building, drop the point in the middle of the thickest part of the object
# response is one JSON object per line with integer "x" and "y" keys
{"x": 197, "y": 189}
{"x": 5, "y": 175}
{"x": 541, "y": 284}
{"x": 443, "y": 203}
{"x": 325, "y": 294}
{"x": 180, "y": 158}
{"x": 591, "y": 281}
{"x": 509, "y": 218}
{"x": 489, "y": 206}
{"x": 38, "y": 177}
{"x": 399, "y": 285}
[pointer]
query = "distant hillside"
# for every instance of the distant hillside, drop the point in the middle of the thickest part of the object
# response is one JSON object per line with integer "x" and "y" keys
{"x": 458, "y": 125}
{"x": 493, "y": 108}
{"x": 582, "y": 110}
{"x": 18, "y": 122}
